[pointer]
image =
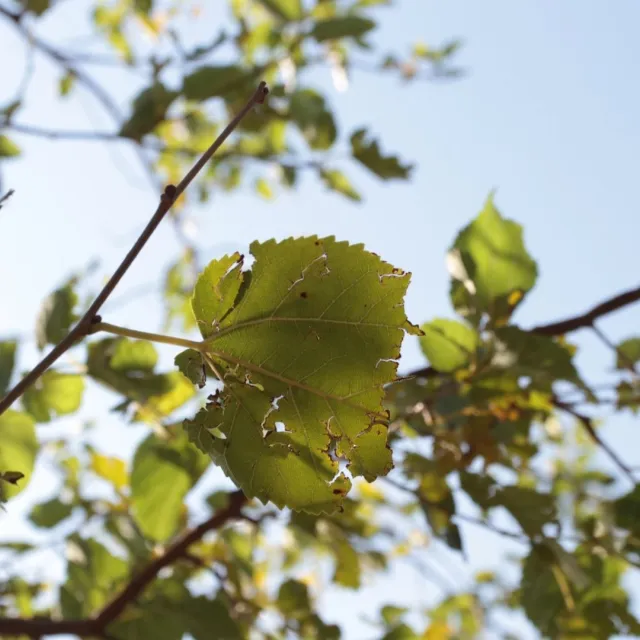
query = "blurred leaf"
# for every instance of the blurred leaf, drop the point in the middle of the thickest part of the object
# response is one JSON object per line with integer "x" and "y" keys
{"x": 143, "y": 6}
{"x": 18, "y": 448}
{"x": 149, "y": 110}
{"x": 392, "y": 614}
{"x": 53, "y": 395}
{"x": 489, "y": 264}
{"x": 263, "y": 189}
{"x": 347, "y": 571}
{"x": 293, "y": 599}
{"x": 7, "y": 362}
{"x": 367, "y": 152}
{"x": 66, "y": 83}
{"x": 337, "y": 181}
{"x": 56, "y": 315}
{"x": 211, "y": 81}
{"x": 309, "y": 111}
{"x": 532, "y": 509}
{"x": 111, "y": 469}
{"x": 191, "y": 365}
{"x": 401, "y": 632}
{"x": 271, "y": 432}
{"x": 93, "y": 576}
{"x": 35, "y": 6}
{"x": 448, "y": 344}
{"x": 163, "y": 472}
{"x": 51, "y": 513}
{"x": 289, "y": 10}
{"x": 628, "y": 353}
{"x": 341, "y": 27}
{"x": 628, "y": 396}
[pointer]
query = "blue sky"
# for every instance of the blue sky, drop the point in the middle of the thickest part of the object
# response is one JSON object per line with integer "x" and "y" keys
{"x": 547, "y": 116}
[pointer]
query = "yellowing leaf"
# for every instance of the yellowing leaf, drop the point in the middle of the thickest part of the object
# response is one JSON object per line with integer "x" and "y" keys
{"x": 304, "y": 344}
{"x": 111, "y": 469}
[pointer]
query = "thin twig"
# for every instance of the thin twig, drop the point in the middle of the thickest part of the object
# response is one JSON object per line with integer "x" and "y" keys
{"x": 96, "y": 626}
{"x": 561, "y": 327}
{"x": 167, "y": 200}
{"x": 622, "y": 356}
{"x": 587, "y": 424}
{"x": 5, "y": 197}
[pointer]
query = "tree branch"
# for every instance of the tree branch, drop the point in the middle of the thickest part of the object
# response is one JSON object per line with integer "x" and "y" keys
{"x": 36, "y": 627}
{"x": 170, "y": 195}
{"x": 583, "y": 321}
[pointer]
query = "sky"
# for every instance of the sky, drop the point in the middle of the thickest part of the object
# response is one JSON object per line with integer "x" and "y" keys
{"x": 547, "y": 115}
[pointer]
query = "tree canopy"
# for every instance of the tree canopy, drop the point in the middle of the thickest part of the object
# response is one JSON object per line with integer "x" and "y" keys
{"x": 288, "y": 376}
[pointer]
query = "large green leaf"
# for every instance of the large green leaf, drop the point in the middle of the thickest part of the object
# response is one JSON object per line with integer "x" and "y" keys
{"x": 163, "y": 472}
{"x": 18, "y": 448}
{"x": 304, "y": 344}
{"x": 367, "y": 152}
{"x": 341, "y": 27}
{"x": 490, "y": 267}
{"x": 7, "y": 362}
{"x": 448, "y": 344}
{"x": 54, "y": 394}
{"x": 56, "y": 315}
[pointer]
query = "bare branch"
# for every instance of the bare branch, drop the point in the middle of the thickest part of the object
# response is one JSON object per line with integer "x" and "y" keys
{"x": 582, "y": 321}
{"x": 167, "y": 200}
{"x": 96, "y": 626}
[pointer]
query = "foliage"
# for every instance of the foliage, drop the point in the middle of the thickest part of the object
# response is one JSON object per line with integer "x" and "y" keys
{"x": 290, "y": 386}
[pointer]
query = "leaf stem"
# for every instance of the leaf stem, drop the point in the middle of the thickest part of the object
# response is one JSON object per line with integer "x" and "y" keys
{"x": 144, "y": 335}
{"x": 168, "y": 198}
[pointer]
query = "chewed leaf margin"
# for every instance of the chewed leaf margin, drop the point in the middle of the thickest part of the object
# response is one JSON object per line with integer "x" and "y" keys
{"x": 303, "y": 344}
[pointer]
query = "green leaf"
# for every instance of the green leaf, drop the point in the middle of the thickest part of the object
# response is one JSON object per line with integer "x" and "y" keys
{"x": 401, "y": 632}
{"x": 56, "y": 315}
{"x": 347, "y": 571}
{"x": 341, "y": 27}
{"x": 628, "y": 353}
{"x": 163, "y": 473}
{"x": 111, "y": 469}
{"x": 337, "y": 181}
{"x": 8, "y": 350}
{"x": 627, "y": 510}
{"x": 35, "y": 6}
{"x": 490, "y": 267}
{"x": 309, "y": 111}
{"x": 448, "y": 344}
{"x": 8, "y": 148}
{"x": 211, "y": 81}
{"x": 293, "y": 599}
{"x": 149, "y": 110}
{"x": 54, "y": 394}
{"x": 157, "y": 395}
{"x": 304, "y": 345}
{"x": 285, "y": 9}
{"x": 51, "y": 513}
{"x": 522, "y": 353}
{"x": 143, "y": 6}
{"x": 66, "y": 83}
{"x": 263, "y": 189}
{"x": 367, "y": 152}
{"x": 93, "y": 576}
{"x": 191, "y": 365}
{"x": 18, "y": 448}
{"x": 532, "y": 509}
{"x": 392, "y": 614}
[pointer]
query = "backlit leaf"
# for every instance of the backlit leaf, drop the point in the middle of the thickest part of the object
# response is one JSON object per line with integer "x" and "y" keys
{"x": 304, "y": 346}
{"x": 367, "y": 151}
{"x": 211, "y": 81}
{"x": 285, "y": 9}
{"x": 342, "y": 27}
{"x": 8, "y": 148}
{"x": 628, "y": 353}
{"x": 488, "y": 263}
{"x": 51, "y": 513}
{"x": 54, "y": 394}
{"x": 448, "y": 344}
{"x": 56, "y": 316}
{"x": 7, "y": 362}
{"x": 18, "y": 448}
{"x": 337, "y": 181}
{"x": 149, "y": 110}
